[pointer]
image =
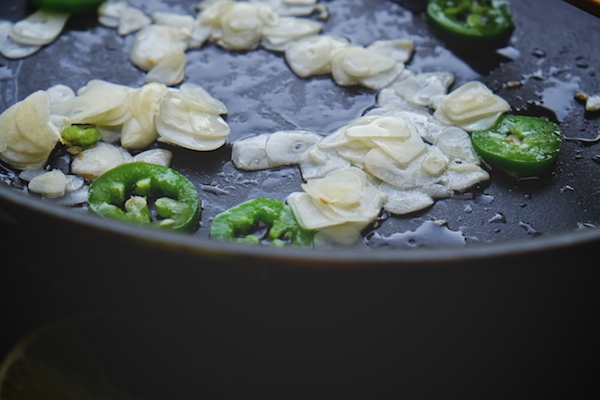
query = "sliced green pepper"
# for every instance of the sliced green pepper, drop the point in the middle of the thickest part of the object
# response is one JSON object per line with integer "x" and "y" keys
{"x": 474, "y": 20}
{"x": 240, "y": 222}
{"x": 67, "y": 5}
{"x": 126, "y": 193}
{"x": 518, "y": 144}
{"x": 80, "y": 135}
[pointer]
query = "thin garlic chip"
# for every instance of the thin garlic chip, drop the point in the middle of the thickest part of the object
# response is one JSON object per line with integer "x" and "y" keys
{"x": 237, "y": 25}
{"x": 178, "y": 122}
{"x": 400, "y": 50}
{"x": 288, "y": 147}
{"x": 402, "y": 202}
{"x": 185, "y": 22}
{"x": 423, "y": 90}
{"x": 154, "y": 42}
{"x": 249, "y": 154}
{"x": 344, "y": 197}
{"x": 155, "y": 156}
{"x": 294, "y": 8}
{"x": 170, "y": 69}
{"x": 27, "y": 137}
{"x": 132, "y": 20}
{"x": 39, "y": 29}
{"x": 311, "y": 55}
{"x": 99, "y": 103}
{"x": 473, "y": 106}
{"x": 52, "y": 184}
{"x": 109, "y": 13}
{"x": 356, "y": 65}
{"x": 289, "y": 29}
{"x": 11, "y": 49}
{"x": 197, "y": 97}
{"x": 95, "y": 161}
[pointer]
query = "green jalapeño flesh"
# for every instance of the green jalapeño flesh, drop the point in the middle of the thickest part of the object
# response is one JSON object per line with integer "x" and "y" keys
{"x": 482, "y": 21}
{"x": 270, "y": 216}
{"x": 146, "y": 194}
{"x": 67, "y": 5}
{"x": 520, "y": 145}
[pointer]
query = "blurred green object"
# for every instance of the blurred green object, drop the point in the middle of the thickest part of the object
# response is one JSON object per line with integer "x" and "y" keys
{"x": 67, "y": 5}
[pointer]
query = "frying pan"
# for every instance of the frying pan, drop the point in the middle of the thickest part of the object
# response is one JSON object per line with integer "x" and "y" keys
{"x": 263, "y": 95}
{"x": 520, "y": 268}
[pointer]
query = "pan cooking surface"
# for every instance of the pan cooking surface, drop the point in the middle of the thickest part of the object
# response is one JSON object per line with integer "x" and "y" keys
{"x": 552, "y": 54}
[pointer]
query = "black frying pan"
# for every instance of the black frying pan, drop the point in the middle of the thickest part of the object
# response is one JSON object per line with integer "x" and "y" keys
{"x": 507, "y": 314}
{"x": 553, "y": 53}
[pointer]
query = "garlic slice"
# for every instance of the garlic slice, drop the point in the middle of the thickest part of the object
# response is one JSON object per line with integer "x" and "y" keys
{"x": 169, "y": 70}
{"x": 401, "y": 202}
{"x": 27, "y": 137}
{"x": 132, "y": 20}
{"x": 289, "y": 147}
{"x": 473, "y": 106}
{"x": 52, "y": 184}
{"x": 93, "y": 162}
{"x": 11, "y": 49}
{"x": 311, "y": 56}
{"x": 423, "y": 90}
{"x": 155, "y": 156}
{"x": 99, "y": 103}
{"x": 289, "y": 29}
{"x": 250, "y": 154}
{"x": 181, "y": 124}
{"x": 154, "y": 42}
{"x": 343, "y": 197}
{"x": 39, "y": 29}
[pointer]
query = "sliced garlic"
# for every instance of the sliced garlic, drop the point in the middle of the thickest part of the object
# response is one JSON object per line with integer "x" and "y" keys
{"x": 93, "y": 162}
{"x": 354, "y": 65}
{"x": 473, "y": 106}
{"x": 197, "y": 97}
{"x": 179, "y": 123}
{"x": 288, "y": 147}
{"x": 99, "y": 103}
{"x": 402, "y": 202}
{"x": 11, "y": 49}
{"x": 131, "y": 20}
{"x": 342, "y": 197}
{"x": 39, "y": 29}
{"x": 27, "y": 137}
{"x": 155, "y": 156}
{"x": 154, "y": 42}
{"x": 109, "y": 13}
{"x": 51, "y": 184}
{"x": 311, "y": 56}
{"x": 422, "y": 90}
{"x": 169, "y": 70}
{"x": 250, "y": 154}
{"x": 289, "y": 29}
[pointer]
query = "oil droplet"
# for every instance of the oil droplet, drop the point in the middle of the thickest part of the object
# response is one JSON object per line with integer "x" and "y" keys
{"x": 498, "y": 217}
{"x": 529, "y": 229}
{"x": 429, "y": 234}
{"x": 559, "y": 96}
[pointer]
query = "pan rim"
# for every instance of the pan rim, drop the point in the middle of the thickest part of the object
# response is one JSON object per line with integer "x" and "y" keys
{"x": 222, "y": 251}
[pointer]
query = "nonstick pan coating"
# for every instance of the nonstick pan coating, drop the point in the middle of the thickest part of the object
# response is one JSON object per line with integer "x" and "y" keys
{"x": 552, "y": 54}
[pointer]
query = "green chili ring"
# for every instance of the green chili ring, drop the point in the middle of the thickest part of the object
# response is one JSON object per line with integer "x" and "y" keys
{"x": 122, "y": 192}
{"x": 520, "y": 145}
{"x": 482, "y": 21}
{"x": 237, "y": 223}
{"x": 67, "y": 5}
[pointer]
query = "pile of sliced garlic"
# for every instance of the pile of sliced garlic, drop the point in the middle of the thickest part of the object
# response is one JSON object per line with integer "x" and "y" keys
{"x": 188, "y": 117}
{"x": 162, "y": 39}
{"x": 398, "y": 157}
